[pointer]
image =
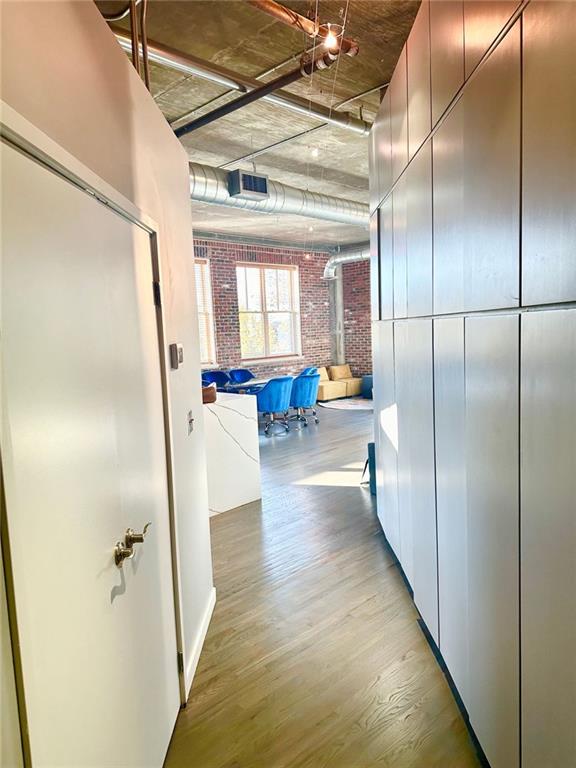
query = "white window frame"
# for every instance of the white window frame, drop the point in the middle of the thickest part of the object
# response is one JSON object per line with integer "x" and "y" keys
{"x": 208, "y": 314}
{"x": 294, "y": 311}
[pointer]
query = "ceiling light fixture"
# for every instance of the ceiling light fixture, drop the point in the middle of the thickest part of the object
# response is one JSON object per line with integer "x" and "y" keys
{"x": 332, "y": 37}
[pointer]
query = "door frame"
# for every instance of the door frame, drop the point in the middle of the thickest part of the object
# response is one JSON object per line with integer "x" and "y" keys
{"x": 17, "y": 132}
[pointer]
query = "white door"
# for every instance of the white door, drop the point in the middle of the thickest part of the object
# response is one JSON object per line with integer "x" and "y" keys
{"x": 84, "y": 458}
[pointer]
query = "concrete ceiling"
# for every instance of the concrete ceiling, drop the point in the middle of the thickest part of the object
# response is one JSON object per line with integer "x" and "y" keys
{"x": 241, "y": 38}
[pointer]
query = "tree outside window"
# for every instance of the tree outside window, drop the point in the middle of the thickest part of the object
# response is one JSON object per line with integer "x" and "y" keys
{"x": 269, "y": 311}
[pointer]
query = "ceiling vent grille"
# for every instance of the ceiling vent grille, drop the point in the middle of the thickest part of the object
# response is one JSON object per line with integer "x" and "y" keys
{"x": 248, "y": 186}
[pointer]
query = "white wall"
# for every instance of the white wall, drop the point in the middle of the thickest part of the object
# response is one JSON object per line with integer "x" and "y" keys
{"x": 63, "y": 70}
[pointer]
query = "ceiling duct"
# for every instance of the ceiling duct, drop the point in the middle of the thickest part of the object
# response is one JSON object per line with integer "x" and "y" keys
{"x": 210, "y": 185}
{"x": 357, "y": 253}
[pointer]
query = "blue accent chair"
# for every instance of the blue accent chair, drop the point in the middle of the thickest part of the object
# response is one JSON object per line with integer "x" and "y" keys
{"x": 304, "y": 396}
{"x": 307, "y": 371}
{"x": 220, "y": 378}
{"x": 272, "y": 399}
{"x": 240, "y": 375}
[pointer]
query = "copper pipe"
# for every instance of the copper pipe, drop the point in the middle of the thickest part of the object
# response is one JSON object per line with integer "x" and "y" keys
{"x": 121, "y": 14}
{"x": 310, "y": 26}
{"x": 143, "y": 35}
{"x": 286, "y": 16}
{"x": 134, "y": 36}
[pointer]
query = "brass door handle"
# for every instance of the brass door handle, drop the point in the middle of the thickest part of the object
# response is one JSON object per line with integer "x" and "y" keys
{"x": 132, "y": 537}
{"x": 124, "y": 550}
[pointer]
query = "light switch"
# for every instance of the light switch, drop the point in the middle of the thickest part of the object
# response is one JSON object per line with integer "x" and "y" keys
{"x": 176, "y": 356}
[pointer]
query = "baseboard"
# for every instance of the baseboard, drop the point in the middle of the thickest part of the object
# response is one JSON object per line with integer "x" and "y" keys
{"x": 199, "y": 642}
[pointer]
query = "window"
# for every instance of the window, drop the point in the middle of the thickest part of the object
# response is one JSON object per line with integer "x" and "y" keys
{"x": 269, "y": 311}
{"x": 205, "y": 311}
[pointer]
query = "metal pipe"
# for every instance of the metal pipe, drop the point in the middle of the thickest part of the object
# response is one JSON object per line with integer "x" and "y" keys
{"x": 311, "y": 27}
{"x": 306, "y": 68}
{"x": 192, "y": 65}
{"x": 281, "y": 142}
{"x": 210, "y": 185}
{"x": 176, "y": 122}
{"x": 145, "y": 62}
{"x": 357, "y": 253}
{"x": 119, "y": 14}
{"x": 185, "y": 62}
{"x": 134, "y": 36}
{"x": 263, "y": 150}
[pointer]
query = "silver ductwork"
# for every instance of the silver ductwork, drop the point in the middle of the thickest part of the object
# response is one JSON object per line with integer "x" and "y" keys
{"x": 358, "y": 253}
{"x": 210, "y": 185}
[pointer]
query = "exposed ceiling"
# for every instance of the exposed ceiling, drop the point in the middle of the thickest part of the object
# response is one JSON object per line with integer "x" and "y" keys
{"x": 239, "y": 37}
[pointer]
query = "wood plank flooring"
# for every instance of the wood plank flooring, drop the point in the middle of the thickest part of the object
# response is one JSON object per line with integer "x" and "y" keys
{"x": 314, "y": 658}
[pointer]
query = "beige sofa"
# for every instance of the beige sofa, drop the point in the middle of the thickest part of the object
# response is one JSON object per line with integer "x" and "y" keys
{"x": 337, "y": 381}
{"x": 329, "y": 390}
{"x": 342, "y": 373}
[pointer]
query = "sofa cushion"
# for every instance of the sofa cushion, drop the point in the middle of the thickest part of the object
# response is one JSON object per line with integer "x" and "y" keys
{"x": 353, "y": 386}
{"x": 323, "y": 374}
{"x": 340, "y": 372}
{"x": 331, "y": 390}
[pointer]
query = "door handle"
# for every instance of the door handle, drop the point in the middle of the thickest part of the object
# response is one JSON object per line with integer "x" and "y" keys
{"x": 124, "y": 550}
{"x": 132, "y": 537}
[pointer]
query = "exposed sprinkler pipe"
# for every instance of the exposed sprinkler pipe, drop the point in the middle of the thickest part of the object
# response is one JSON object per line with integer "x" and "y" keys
{"x": 181, "y": 119}
{"x": 306, "y": 68}
{"x": 192, "y": 65}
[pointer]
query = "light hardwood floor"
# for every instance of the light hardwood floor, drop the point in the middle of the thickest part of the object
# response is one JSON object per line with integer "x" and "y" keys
{"x": 314, "y": 658}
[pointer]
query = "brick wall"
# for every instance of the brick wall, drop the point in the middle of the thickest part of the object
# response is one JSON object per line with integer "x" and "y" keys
{"x": 357, "y": 319}
{"x": 314, "y": 302}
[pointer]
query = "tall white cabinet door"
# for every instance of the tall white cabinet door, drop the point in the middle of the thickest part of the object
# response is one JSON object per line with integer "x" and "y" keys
{"x": 492, "y": 391}
{"x": 548, "y": 539}
{"x": 83, "y": 452}
{"x": 386, "y": 433}
{"x": 450, "y": 423}
{"x": 416, "y": 447}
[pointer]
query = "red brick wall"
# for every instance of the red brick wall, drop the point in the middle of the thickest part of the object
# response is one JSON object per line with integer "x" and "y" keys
{"x": 314, "y": 302}
{"x": 357, "y": 318}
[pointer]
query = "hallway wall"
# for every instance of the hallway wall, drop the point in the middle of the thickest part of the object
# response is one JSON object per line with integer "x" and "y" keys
{"x": 87, "y": 97}
{"x": 10, "y": 743}
{"x": 472, "y": 172}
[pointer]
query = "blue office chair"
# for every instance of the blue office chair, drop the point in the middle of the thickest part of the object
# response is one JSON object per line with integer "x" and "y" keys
{"x": 220, "y": 378}
{"x": 240, "y": 375}
{"x": 273, "y": 399}
{"x": 304, "y": 396}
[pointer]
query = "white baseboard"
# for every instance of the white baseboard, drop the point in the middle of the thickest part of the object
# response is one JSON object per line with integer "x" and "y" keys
{"x": 196, "y": 650}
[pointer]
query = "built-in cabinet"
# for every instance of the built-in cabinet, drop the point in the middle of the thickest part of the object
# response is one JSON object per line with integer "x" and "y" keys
{"x": 492, "y": 504}
{"x": 451, "y": 509}
{"x": 548, "y": 538}
{"x": 475, "y": 360}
